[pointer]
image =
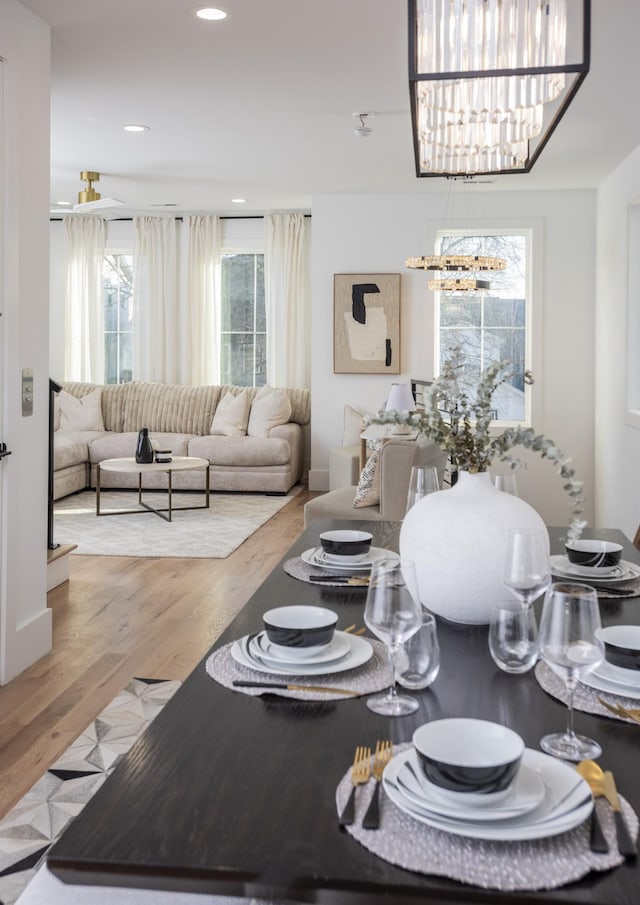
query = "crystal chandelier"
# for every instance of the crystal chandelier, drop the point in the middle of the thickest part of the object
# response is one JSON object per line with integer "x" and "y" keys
{"x": 490, "y": 80}
{"x": 459, "y": 263}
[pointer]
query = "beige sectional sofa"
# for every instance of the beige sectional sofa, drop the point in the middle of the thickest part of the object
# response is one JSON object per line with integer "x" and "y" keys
{"x": 179, "y": 418}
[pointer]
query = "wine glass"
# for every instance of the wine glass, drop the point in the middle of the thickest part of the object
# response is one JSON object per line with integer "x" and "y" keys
{"x": 506, "y": 483}
{"x": 423, "y": 480}
{"x": 569, "y": 643}
{"x": 527, "y": 570}
{"x": 394, "y": 614}
{"x": 513, "y": 637}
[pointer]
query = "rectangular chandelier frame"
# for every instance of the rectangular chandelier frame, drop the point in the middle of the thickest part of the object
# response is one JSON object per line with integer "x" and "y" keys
{"x": 575, "y": 73}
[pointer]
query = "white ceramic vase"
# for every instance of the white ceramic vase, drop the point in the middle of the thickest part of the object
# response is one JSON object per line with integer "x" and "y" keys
{"x": 458, "y": 539}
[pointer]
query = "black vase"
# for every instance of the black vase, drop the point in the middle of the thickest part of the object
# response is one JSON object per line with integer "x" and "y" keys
{"x": 144, "y": 450}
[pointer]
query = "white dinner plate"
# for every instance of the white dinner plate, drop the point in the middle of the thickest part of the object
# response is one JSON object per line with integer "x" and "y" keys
{"x": 339, "y": 647}
{"x": 525, "y": 793}
{"x": 601, "y": 681}
{"x": 625, "y": 571}
{"x": 566, "y": 804}
{"x": 361, "y": 651}
{"x": 316, "y": 557}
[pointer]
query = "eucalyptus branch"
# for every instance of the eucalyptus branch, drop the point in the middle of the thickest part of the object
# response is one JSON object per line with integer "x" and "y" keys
{"x": 461, "y": 428}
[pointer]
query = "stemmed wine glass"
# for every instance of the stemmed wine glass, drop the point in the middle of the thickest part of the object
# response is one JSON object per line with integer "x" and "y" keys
{"x": 527, "y": 570}
{"x": 423, "y": 480}
{"x": 569, "y": 643}
{"x": 393, "y": 613}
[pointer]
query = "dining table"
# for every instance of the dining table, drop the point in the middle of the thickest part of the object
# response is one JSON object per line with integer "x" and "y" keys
{"x": 234, "y": 794}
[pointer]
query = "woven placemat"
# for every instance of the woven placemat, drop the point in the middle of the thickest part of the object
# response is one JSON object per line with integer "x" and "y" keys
{"x": 298, "y": 568}
{"x": 375, "y": 675}
{"x": 584, "y": 697}
{"x": 536, "y": 864}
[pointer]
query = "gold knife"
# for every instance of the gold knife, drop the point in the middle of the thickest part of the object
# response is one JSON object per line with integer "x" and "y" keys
{"x": 626, "y": 845}
{"x": 324, "y": 688}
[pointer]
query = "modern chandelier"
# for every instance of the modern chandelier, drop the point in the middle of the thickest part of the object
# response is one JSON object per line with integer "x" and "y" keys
{"x": 491, "y": 79}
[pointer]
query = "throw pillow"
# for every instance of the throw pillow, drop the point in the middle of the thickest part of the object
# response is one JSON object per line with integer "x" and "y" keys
{"x": 81, "y": 414}
{"x": 231, "y": 415}
{"x": 353, "y": 426}
{"x": 269, "y": 408}
{"x": 368, "y": 492}
{"x": 57, "y": 414}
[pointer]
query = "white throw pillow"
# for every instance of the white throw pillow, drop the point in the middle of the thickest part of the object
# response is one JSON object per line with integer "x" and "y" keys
{"x": 81, "y": 414}
{"x": 353, "y": 426}
{"x": 269, "y": 408}
{"x": 57, "y": 414}
{"x": 368, "y": 492}
{"x": 231, "y": 415}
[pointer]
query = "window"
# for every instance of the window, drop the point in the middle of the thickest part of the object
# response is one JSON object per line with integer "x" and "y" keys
{"x": 117, "y": 286}
{"x": 243, "y": 340}
{"x": 492, "y": 326}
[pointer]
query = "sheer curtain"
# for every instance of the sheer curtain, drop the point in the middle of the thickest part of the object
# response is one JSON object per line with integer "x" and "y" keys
{"x": 158, "y": 329}
{"x": 286, "y": 300}
{"x": 203, "y": 299}
{"x": 84, "y": 315}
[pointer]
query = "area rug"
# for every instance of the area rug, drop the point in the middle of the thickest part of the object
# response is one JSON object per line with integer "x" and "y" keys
{"x": 211, "y": 533}
{"x": 40, "y": 816}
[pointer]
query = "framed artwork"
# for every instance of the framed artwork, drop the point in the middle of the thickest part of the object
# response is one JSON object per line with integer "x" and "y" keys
{"x": 366, "y": 323}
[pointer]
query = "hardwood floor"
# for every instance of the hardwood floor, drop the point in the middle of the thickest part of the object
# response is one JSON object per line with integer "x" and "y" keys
{"x": 120, "y": 617}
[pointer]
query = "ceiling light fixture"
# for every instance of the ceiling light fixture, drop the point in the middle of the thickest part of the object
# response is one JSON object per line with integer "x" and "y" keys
{"x": 89, "y": 199}
{"x": 491, "y": 79}
{"x": 211, "y": 14}
{"x": 133, "y": 127}
{"x": 239, "y": 200}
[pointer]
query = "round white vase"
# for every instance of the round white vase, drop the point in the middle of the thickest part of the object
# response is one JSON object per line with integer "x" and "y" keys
{"x": 458, "y": 540}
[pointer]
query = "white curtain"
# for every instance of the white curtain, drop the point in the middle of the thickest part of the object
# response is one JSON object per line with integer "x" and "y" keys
{"x": 84, "y": 314}
{"x": 287, "y": 300}
{"x": 158, "y": 327}
{"x": 203, "y": 300}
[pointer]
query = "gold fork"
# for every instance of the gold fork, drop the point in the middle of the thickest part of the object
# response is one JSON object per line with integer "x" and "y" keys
{"x": 632, "y": 713}
{"x": 383, "y": 754}
{"x": 360, "y": 773}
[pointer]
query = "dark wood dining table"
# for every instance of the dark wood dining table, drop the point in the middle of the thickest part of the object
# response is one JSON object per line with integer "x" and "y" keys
{"x": 231, "y": 794}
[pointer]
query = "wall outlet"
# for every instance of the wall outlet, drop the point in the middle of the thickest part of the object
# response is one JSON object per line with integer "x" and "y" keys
{"x": 27, "y": 392}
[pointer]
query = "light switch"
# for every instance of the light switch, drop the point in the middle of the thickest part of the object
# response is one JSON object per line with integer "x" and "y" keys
{"x": 27, "y": 392}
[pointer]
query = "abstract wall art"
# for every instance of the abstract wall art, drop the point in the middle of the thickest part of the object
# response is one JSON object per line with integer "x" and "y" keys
{"x": 366, "y": 323}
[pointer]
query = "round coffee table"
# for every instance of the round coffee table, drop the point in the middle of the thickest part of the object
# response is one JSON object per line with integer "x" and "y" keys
{"x": 129, "y": 465}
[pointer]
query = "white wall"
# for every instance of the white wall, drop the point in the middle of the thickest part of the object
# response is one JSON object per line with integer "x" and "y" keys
{"x": 617, "y": 349}
{"x": 25, "y": 621}
{"x": 376, "y": 233}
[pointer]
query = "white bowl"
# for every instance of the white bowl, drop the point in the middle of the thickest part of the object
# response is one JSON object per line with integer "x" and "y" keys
{"x": 621, "y": 645}
{"x": 300, "y": 626}
{"x": 468, "y": 756}
{"x": 345, "y": 545}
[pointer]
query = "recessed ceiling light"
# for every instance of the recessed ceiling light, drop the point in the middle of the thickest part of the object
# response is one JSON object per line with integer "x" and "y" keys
{"x": 239, "y": 200}
{"x": 134, "y": 127}
{"x": 63, "y": 203}
{"x": 211, "y": 14}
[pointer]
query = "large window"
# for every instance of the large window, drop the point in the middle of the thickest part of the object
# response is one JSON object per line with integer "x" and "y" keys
{"x": 492, "y": 326}
{"x": 243, "y": 340}
{"x": 117, "y": 284}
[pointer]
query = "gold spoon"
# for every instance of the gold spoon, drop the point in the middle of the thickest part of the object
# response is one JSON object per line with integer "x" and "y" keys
{"x": 594, "y": 777}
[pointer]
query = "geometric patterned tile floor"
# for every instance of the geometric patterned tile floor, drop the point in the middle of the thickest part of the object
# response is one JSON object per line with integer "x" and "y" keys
{"x": 30, "y": 827}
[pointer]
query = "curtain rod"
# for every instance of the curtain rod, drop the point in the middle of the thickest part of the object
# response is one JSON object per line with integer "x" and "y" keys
{"x": 180, "y": 219}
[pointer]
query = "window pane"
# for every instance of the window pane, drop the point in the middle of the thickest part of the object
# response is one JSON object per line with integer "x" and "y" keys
{"x": 243, "y": 340}
{"x": 117, "y": 282}
{"x": 110, "y": 358}
{"x": 490, "y": 327}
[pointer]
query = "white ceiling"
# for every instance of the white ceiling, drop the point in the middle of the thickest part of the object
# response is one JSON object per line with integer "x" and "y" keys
{"x": 260, "y": 106}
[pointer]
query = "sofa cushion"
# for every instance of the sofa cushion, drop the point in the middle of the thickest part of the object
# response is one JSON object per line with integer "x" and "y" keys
{"x": 231, "y": 416}
{"x": 172, "y": 408}
{"x": 81, "y": 414}
{"x": 270, "y": 407}
{"x": 368, "y": 492}
{"x": 241, "y": 451}
{"x": 71, "y": 448}
{"x": 117, "y": 446}
{"x": 353, "y": 426}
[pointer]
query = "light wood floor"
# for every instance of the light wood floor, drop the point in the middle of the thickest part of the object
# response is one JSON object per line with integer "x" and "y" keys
{"x": 120, "y": 617}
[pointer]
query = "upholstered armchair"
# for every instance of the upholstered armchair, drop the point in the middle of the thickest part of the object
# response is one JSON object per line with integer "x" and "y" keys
{"x": 396, "y": 459}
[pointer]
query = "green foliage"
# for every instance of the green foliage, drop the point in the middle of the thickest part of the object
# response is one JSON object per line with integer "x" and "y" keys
{"x": 461, "y": 426}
